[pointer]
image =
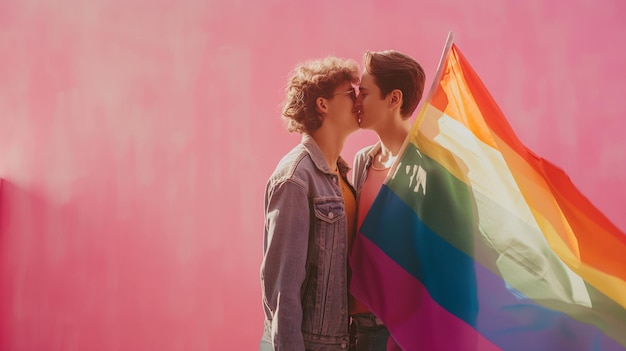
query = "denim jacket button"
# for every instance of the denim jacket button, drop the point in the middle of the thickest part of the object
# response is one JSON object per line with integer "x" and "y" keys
{"x": 344, "y": 345}
{"x": 331, "y": 215}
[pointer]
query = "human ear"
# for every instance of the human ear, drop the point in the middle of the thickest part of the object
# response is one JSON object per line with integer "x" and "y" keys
{"x": 396, "y": 98}
{"x": 320, "y": 105}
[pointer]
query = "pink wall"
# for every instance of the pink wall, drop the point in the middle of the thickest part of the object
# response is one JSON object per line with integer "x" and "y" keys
{"x": 136, "y": 138}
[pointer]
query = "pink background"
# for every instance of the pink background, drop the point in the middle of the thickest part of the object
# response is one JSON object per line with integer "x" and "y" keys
{"x": 136, "y": 138}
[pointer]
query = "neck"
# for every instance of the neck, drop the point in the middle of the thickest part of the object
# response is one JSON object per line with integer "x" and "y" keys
{"x": 331, "y": 147}
{"x": 392, "y": 138}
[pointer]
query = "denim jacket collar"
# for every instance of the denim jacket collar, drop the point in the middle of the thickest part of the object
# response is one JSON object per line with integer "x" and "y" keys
{"x": 318, "y": 158}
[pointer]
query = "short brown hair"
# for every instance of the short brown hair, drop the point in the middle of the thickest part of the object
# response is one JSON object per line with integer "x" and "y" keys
{"x": 307, "y": 82}
{"x": 394, "y": 70}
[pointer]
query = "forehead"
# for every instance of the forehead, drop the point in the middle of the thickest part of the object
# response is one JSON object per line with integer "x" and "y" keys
{"x": 344, "y": 86}
{"x": 368, "y": 82}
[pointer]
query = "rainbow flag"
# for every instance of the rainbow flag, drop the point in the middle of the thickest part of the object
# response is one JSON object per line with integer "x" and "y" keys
{"x": 476, "y": 243}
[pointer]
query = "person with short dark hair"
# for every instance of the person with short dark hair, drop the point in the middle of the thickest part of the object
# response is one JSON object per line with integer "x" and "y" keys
{"x": 391, "y": 88}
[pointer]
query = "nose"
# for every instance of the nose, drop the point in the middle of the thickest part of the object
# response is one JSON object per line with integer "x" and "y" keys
{"x": 357, "y": 106}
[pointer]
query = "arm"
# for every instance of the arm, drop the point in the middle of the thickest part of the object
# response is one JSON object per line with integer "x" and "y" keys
{"x": 283, "y": 269}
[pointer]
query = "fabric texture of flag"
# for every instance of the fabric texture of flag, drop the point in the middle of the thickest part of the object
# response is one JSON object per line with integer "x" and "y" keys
{"x": 476, "y": 243}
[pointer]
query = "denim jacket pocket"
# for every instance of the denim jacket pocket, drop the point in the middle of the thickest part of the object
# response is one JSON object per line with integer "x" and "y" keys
{"x": 329, "y": 210}
{"x": 328, "y": 214}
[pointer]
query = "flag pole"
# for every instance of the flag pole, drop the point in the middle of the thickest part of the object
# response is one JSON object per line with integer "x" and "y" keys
{"x": 422, "y": 111}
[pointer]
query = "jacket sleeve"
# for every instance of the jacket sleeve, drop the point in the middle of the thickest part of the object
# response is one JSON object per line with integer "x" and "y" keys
{"x": 287, "y": 221}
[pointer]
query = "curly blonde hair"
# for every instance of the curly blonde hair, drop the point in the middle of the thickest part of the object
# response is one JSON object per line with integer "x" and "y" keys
{"x": 307, "y": 82}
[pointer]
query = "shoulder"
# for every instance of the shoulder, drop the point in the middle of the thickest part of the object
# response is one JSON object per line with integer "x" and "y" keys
{"x": 361, "y": 157}
{"x": 295, "y": 167}
{"x": 361, "y": 160}
{"x": 364, "y": 152}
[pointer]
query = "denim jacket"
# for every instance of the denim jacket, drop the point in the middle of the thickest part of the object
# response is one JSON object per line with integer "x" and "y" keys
{"x": 304, "y": 267}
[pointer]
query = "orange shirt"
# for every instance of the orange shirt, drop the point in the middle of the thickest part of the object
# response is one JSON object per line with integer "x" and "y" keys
{"x": 349, "y": 203}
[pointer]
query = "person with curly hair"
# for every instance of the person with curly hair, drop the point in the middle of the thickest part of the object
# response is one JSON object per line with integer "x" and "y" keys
{"x": 310, "y": 214}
